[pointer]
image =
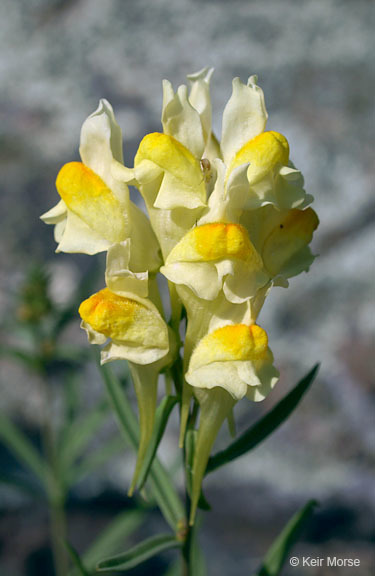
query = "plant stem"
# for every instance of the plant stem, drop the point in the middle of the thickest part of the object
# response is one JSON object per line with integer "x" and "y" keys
{"x": 55, "y": 490}
{"x": 186, "y": 548}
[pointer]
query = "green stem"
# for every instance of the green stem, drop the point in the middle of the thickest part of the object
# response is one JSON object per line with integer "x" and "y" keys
{"x": 186, "y": 549}
{"x": 55, "y": 490}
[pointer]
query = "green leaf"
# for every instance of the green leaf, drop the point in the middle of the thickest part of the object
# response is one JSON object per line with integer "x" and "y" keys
{"x": 265, "y": 426}
{"x": 76, "y": 559}
{"x": 161, "y": 419}
{"x": 78, "y": 435}
{"x": 17, "y": 442}
{"x": 279, "y": 551}
{"x": 123, "y": 526}
{"x": 139, "y": 553}
{"x": 161, "y": 485}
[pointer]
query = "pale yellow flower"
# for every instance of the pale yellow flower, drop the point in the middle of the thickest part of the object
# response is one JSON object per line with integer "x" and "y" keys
{"x": 227, "y": 364}
{"x": 95, "y": 211}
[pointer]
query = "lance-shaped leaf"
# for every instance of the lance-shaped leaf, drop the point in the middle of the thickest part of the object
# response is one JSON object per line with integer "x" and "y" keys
{"x": 161, "y": 419}
{"x": 278, "y": 553}
{"x": 113, "y": 536}
{"x": 264, "y": 427}
{"x": 139, "y": 553}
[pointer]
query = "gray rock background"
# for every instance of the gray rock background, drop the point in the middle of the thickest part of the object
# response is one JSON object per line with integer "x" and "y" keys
{"x": 314, "y": 62}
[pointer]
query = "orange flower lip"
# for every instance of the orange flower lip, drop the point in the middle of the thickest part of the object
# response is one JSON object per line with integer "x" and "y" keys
{"x": 263, "y": 152}
{"x": 214, "y": 241}
{"x": 238, "y": 342}
{"x": 109, "y": 313}
{"x": 88, "y": 196}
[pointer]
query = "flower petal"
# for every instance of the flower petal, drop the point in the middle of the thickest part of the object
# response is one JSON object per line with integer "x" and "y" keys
{"x": 181, "y": 120}
{"x": 282, "y": 238}
{"x": 56, "y": 214}
{"x": 200, "y": 99}
{"x": 88, "y": 197}
{"x": 244, "y": 117}
{"x": 118, "y": 277}
{"x": 137, "y": 331}
{"x": 101, "y": 140}
{"x": 173, "y": 158}
{"x": 233, "y": 358}
{"x": 263, "y": 153}
{"x": 77, "y": 236}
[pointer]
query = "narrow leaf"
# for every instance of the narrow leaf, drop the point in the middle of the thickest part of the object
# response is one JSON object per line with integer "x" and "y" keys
{"x": 123, "y": 526}
{"x": 76, "y": 559}
{"x": 17, "y": 442}
{"x": 265, "y": 426}
{"x": 139, "y": 553}
{"x": 280, "y": 549}
{"x": 161, "y": 486}
{"x": 161, "y": 419}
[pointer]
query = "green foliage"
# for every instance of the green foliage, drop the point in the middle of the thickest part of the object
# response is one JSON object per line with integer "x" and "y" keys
{"x": 280, "y": 549}
{"x": 161, "y": 419}
{"x": 74, "y": 556}
{"x": 161, "y": 485}
{"x": 66, "y": 457}
{"x": 114, "y": 535}
{"x": 265, "y": 426}
{"x": 139, "y": 553}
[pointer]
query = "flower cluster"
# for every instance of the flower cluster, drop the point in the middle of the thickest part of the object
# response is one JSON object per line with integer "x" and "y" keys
{"x": 227, "y": 221}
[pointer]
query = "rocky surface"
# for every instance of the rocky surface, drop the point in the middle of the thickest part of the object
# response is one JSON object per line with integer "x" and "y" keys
{"x": 313, "y": 59}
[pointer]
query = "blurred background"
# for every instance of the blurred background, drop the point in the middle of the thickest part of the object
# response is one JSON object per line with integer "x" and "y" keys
{"x": 314, "y": 63}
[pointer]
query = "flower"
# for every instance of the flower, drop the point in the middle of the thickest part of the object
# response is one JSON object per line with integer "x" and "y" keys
{"x": 227, "y": 364}
{"x": 133, "y": 324}
{"x": 134, "y": 330}
{"x": 271, "y": 178}
{"x": 137, "y": 333}
{"x": 95, "y": 211}
{"x": 282, "y": 238}
{"x": 236, "y": 358}
{"x": 168, "y": 167}
{"x": 232, "y": 220}
{"x": 217, "y": 256}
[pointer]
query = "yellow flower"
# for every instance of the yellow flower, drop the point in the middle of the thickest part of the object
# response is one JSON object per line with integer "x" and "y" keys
{"x": 236, "y": 358}
{"x": 170, "y": 168}
{"x": 95, "y": 211}
{"x": 229, "y": 363}
{"x": 271, "y": 178}
{"x": 217, "y": 256}
{"x": 133, "y": 324}
{"x": 136, "y": 332}
{"x": 282, "y": 239}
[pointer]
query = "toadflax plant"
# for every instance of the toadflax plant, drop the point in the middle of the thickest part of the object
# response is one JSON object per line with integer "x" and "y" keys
{"x": 227, "y": 221}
